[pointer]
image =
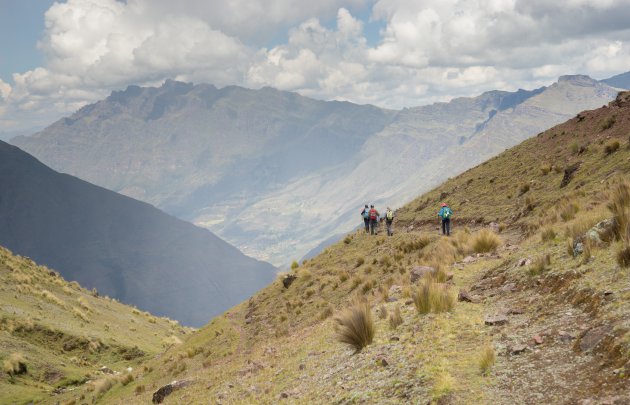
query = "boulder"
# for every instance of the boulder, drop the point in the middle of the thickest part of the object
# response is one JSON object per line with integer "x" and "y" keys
{"x": 465, "y": 296}
{"x": 517, "y": 349}
{"x": 592, "y": 338}
{"x": 418, "y": 272}
{"x": 163, "y": 392}
{"x": 494, "y": 227}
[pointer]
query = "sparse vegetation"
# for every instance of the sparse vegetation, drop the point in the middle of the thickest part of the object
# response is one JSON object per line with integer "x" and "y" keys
{"x": 611, "y": 147}
{"x": 619, "y": 206}
{"x": 15, "y": 364}
{"x": 485, "y": 241}
{"x": 294, "y": 265}
{"x": 568, "y": 210}
{"x": 540, "y": 264}
{"x": 523, "y": 189}
{"x": 548, "y": 234}
{"x": 486, "y": 360}
{"x": 608, "y": 122}
{"x": 395, "y": 318}
{"x": 355, "y": 326}
{"x": 545, "y": 169}
{"x": 623, "y": 255}
{"x": 432, "y": 297}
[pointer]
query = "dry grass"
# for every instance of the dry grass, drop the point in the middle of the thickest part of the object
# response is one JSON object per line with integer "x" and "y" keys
{"x": 548, "y": 234}
{"x": 485, "y": 241}
{"x": 382, "y": 312}
{"x": 432, "y": 297}
{"x": 486, "y": 360}
{"x": 545, "y": 169}
{"x": 355, "y": 326}
{"x": 623, "y": 255}
{"x": 540, "y": 264}
{"x": 14, "y": 365}
{"x": 103, "y": 385}
{"x": 568, "y": 210}
{"x": 619, "y": 206}
{"x": 52, "y": 298}
{"x": 395, "y": 318}
{"x": 611, "y": 147}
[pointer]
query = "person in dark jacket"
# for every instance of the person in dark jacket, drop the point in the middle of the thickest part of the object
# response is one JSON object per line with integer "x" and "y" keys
{"x": 365, "y": 214}
{"x": 373, "y": 220}
{"x": 445, "y": 214}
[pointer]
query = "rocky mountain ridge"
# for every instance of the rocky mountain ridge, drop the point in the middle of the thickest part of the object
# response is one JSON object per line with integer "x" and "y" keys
{"x": 276, "y": 173}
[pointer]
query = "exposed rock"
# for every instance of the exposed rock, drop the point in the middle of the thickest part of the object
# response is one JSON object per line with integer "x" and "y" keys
{"x": 465, "y": 296}
{"x": 469, "y": 259}
{"x": 509, "y": 287}
{"x": 288, "y": 280}
{"x": 159, "y": 395}
{"x": 517, "y": 349}
{"x": 106, "y": 370}
{"x": 496, "y": 320}
{"x": 515, "y": 311}
{"x": 565, "y": 337}
{"x": 494, "y": 227}
{"x": 419, "y": 272}
{"x": 537, "y": 339}
{"x": 592, "y": 338}
{"x": 568, "y": 174}
{"x": 284, "y": 395}
{"x": 524, "y": 262}
{"x": 449, "y": 276}
{"x": 395, "y": 291}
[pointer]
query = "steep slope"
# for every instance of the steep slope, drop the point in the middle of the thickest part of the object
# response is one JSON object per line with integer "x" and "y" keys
{"x": 275, "y": 173}
{"x": 127, "y": 249}
{"x": 63, "y": 334}
{"x": 537, "y": 321}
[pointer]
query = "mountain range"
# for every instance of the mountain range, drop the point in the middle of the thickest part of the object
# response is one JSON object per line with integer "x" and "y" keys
{"x": 275, "y": 173}
{"x": 127, "y": 249}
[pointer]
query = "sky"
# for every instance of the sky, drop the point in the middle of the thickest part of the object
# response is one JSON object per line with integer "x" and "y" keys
{"x": 56, "y": 56}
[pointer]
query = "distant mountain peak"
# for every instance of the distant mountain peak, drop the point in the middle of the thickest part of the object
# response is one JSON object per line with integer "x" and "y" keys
{"x": 577, "y": 79}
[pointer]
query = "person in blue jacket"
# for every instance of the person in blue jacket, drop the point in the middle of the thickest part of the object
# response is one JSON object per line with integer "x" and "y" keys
{"x": 446, "y": 213}
{"x": 365, "y": 214}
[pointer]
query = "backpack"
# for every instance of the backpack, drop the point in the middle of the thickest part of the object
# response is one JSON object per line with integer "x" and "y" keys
{"x": 390, "y": 215}
{"x": 365, "y": 213}
{"x": 372, "y": 213}
{"x": 447, "y": 213}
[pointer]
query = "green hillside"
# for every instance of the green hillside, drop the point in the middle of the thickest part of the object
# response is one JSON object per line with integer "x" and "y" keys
{"x": 516, "y": 316}
{"x": 64, "y": 334}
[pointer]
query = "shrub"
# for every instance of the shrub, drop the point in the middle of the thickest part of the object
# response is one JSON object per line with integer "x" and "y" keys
{"x": 432, "y": 297}
{"x": 125, "y": 379}
{"x": 619, "y": 205}
{"x": 395, "y": 318}
{"x": 359, "y": 262}
{"x": 575, "y": 147}
{"x": 485, "y": 241}
{"x": 548, "y": 234}
{"x": 294, "y": 265}
{"x": 355, "y": 326}
{"x": 486, "y": 360}
{"x": 103, "y": 385}
{"x": 611, "y": 147}
{"x": 347, "y": 240}
{"x": 623, "y": 256}
{"x": 139, "y": 389}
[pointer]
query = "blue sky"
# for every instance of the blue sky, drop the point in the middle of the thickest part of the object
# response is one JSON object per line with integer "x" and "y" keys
{"x": 391, "y": 53}
{"x": 21, "y": 26}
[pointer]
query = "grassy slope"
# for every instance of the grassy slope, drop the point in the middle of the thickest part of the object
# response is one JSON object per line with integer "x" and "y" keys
{"x": 281, "y": 342}
{"x": 66, "y": 333}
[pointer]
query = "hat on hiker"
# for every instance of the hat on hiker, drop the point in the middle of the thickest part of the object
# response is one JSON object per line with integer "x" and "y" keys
{"x": 366, "y": 206}
{"x": 443, "y": 204}
{"x": 372, "y": 206}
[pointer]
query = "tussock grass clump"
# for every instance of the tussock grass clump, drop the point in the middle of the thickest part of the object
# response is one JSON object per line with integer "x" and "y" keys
{"x": 359, "y": 262}
{"x": 619, "y": 206}
{"x": 623, "y": 255}
{"x": 382, "y": 312}
{"x": 523, "y": 189}
{"x": 608, "y": 123}
{"x": 486, "y": 360}
{"x": 545, "y": 169}
{"x": 548, "y": 234}
{"x": 417, "y": 244}
{"x": 14, "y": 365}
{"x": 355, "y": 326}
{"x": 103, "y": 385}
{"x": 485, "y": 241}
{"x": 611, "y": 147}
{"x": 568, "y": 210}
{"x": 294, "y": 265}
{"x": 125, "y": 379}
{"x": 52, "y": 298}
{"x": 432, "y": 297}
{"x": 395, "y": 318}
{"x": 540, "y": 264}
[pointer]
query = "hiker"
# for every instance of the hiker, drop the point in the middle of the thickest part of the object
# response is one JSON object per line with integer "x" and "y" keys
{"x": 446, "y": 214}
{"x": 373, "y": 220}
{"x": 389, "y": 219}
{"x": 365, "y": 214}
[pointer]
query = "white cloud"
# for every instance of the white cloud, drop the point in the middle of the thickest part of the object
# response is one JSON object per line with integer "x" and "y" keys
{"x": 428, "y": 50}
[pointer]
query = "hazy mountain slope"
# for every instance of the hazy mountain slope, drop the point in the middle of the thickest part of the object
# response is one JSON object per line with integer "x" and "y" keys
{"x": 621, "y": 81}
{"x": 65, "y": 333}
{"x": 561, "y": 323}
{"x": 126, "y": 248}
{"x": 275, "y": 173}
